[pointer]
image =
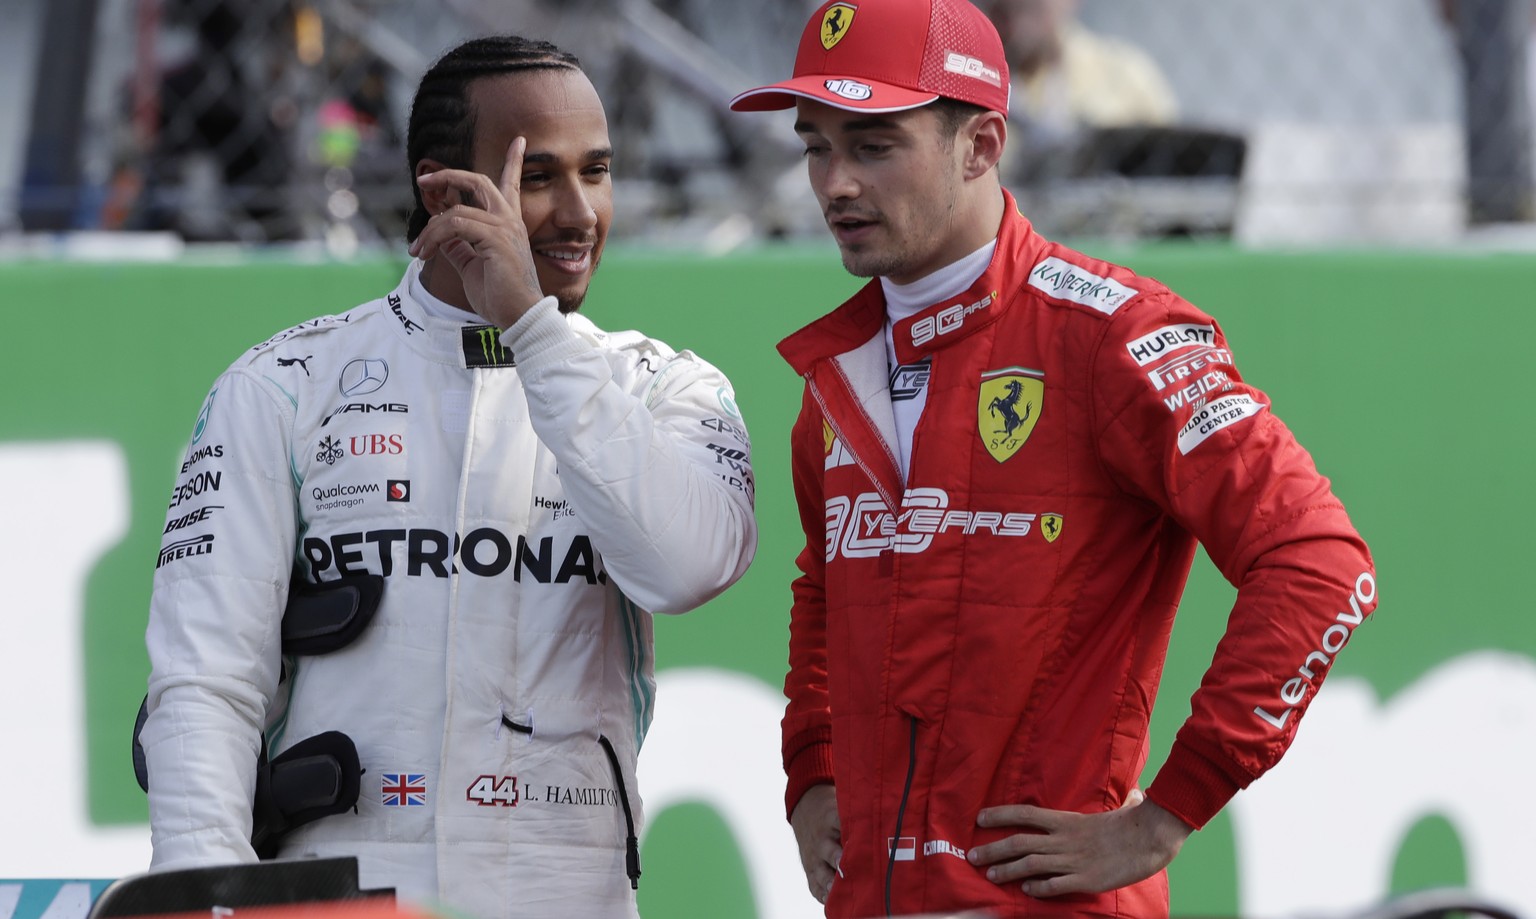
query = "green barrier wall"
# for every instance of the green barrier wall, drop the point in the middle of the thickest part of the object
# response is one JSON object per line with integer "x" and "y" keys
{"x": 1405, "y": 375}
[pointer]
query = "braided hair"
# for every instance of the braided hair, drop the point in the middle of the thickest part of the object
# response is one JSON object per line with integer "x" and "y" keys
{"x": 442, "y": 122}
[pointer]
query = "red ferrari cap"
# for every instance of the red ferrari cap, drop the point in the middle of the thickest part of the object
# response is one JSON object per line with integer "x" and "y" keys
{"x": 890, "y": 55}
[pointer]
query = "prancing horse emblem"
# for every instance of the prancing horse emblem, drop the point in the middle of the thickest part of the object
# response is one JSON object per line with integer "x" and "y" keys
{"x": 835, "y": 23}
{"x": 1007, "y": 409}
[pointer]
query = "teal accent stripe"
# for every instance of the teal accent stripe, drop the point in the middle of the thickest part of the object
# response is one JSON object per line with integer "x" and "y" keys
{"x": 34, "y": 898}
{"x": 642, "y": 691}
{"x": 280, "y": 389}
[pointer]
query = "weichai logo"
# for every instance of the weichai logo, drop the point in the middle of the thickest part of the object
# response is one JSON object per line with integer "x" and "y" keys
{"x": 483, "y": 347}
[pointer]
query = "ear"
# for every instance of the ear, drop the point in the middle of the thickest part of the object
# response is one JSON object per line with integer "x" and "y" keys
{"x": 436, "y": 199}
{"x": 986, "y": 135}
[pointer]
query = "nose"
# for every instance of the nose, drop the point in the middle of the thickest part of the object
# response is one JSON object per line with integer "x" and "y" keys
{"x": 576, "y": 208}
{"x": 838, "y": 180}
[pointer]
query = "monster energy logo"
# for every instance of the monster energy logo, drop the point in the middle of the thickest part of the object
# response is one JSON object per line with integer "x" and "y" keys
{"x": 483, "y": 348}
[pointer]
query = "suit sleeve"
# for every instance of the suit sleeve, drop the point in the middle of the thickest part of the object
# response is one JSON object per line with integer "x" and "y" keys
{"x": 665, "y": 465}
{"x": 214, "y": 630}
{"x": 1180, "y": 427}
{"x": 807, "y": 724}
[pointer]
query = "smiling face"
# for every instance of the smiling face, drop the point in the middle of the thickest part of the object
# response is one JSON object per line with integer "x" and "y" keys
{"x": 566, "y": 192}
{"x": 891, "y": 188}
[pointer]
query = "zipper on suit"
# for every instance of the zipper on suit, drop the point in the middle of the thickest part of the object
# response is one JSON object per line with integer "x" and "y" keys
{"x": 901, "y": 811}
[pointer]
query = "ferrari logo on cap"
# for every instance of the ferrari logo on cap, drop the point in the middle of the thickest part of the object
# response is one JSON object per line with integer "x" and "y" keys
{"x": 1007, "y": 408}
{"x": 835, "y": 22}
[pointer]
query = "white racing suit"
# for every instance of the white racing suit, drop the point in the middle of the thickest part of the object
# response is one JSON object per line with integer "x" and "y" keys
{"x": 528, "y": 520}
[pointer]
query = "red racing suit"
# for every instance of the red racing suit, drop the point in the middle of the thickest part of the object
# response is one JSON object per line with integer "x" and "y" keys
{"x": 992, "y": 631}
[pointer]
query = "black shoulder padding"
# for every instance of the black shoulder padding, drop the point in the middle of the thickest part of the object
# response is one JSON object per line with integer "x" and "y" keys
{"x": 321, "y": 618}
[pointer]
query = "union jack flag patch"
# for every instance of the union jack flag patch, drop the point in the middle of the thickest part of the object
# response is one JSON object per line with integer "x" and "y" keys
{"x": 405, "y": 789}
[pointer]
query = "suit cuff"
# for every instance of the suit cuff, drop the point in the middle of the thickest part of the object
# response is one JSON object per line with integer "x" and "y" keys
{"x": 812, "y": 765}
{"x": 1191, "y": 786}
{"x": 541, "y": 336}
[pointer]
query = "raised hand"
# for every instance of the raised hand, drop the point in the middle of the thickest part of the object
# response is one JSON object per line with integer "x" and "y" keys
{"x": 483, "y": 237}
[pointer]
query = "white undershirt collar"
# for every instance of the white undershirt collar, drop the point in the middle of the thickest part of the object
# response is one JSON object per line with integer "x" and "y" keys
{"x": 909, "y": 384}
{"x": 904, "y": 300}
{"x": 439, "y": 309}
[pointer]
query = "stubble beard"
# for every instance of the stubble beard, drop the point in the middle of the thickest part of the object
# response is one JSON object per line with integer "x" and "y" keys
{"x": 570, "y": 303}
{"x": 873, "y": 264}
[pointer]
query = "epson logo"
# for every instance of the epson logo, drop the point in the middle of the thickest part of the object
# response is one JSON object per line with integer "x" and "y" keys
{"x": 1361, "y": 601}
{"x": 191, "y": 488}
{"x": 483, "y": 552}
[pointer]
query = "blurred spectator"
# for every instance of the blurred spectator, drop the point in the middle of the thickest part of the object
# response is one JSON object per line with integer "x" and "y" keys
{"x": 357, "y": 147}
{"x": 1493, "y": 40}
{"x": 1530, "y": 84}
{"x": 218, "y": 157}
{"x": 1066, "y": 77}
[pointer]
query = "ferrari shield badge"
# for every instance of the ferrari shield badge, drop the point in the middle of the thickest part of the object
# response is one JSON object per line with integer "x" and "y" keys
{"x": 835, "y": 22}
{"x": 1050, "y": 526}
{"x": 1007, "y": 409}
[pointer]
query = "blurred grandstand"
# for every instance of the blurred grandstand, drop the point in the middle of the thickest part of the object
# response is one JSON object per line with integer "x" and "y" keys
{"x": 1312, "y": 123}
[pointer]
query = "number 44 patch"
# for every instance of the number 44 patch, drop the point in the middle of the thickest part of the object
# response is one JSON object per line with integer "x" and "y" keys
{"x": 493, "y": 791}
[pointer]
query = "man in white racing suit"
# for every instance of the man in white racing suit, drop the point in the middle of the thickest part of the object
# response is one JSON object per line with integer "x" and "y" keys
{"x": 530, "y": 488}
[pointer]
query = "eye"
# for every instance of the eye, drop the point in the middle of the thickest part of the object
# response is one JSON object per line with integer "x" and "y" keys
{"x": 535, "y": 178}
{"x": 875, "y": 149}
{"x": 814, "y": 150}
{"x": 597, "y": 171}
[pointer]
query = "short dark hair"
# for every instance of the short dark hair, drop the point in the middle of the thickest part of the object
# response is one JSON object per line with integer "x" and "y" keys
{"x": 442, "y": 122}
{"x": 951, "y": 114}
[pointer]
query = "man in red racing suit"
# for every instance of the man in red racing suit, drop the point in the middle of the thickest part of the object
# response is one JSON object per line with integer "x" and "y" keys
{"x": 1006, "y": 613}
{"x": 985, "y": 603}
